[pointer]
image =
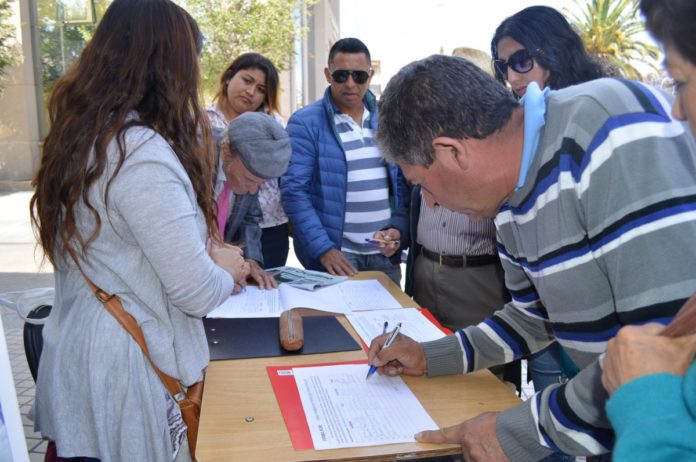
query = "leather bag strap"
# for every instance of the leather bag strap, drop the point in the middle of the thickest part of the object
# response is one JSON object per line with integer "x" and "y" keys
{"x": 113, "y": 305}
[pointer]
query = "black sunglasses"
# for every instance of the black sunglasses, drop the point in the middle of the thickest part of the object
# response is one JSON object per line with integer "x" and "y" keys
{"x": 521, "y": 61}
{"x": 341, "y": 76}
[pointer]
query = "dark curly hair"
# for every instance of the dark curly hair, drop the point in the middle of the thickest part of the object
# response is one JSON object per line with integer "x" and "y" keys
{"x": 672, "y": 23}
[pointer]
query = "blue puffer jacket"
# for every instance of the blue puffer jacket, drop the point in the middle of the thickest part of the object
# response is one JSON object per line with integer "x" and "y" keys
{"x": 313, "y": 189}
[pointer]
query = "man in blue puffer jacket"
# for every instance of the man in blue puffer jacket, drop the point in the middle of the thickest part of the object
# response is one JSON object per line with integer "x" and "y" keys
{"x": 347, "y": 207}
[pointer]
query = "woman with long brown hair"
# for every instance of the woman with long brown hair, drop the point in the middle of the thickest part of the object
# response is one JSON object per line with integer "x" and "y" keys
{"x": 123, "y": 194}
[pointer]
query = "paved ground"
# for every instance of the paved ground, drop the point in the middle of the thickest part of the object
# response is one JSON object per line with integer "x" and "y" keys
{"x": 21, "y": 268}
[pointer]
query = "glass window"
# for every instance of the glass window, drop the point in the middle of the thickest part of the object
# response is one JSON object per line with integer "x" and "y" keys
{"x": 63, "y": 29}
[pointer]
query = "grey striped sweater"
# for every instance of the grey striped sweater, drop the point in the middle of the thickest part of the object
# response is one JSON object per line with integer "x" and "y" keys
{"x": 601, "y": 235}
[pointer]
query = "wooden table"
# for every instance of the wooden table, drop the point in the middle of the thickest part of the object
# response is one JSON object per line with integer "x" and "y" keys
{"x": 237, "y": 391}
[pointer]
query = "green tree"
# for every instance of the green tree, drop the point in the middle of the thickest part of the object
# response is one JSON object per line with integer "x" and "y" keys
{"x": 9, "y": 53}
{"x": 61, "y": 42}
{"x": 233, "y": 27}
{"x": 611, "y": 30}
{"x": 230, "y": 27}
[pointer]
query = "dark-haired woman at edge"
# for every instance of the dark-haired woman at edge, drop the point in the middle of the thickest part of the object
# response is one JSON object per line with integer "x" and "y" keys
{"x": 652, "y": 378}
{"x": 537, "y": 45}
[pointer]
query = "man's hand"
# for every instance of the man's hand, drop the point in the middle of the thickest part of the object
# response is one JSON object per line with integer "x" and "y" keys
{"x": 262, "y": 278}
{"x": 640, "y": 350}
{"x": 404, "y": 356}
{"x": 476, "y": 436}
{"x": 337, "y": 264}
{"x": 392, "y": 237}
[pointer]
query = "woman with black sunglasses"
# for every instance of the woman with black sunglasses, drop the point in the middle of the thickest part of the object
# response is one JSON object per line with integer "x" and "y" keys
{"x": 537, "y": 45}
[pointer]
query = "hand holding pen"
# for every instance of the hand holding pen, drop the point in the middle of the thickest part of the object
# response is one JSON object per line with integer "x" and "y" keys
{"x": 403, "y": 356}
{"x": 387, "y": 344}
{"x": 386, "y": 240}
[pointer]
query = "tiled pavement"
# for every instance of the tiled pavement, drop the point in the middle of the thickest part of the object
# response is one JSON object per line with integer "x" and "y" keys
{"x": 24, "y": 385}
{"x": 20, "y": 269}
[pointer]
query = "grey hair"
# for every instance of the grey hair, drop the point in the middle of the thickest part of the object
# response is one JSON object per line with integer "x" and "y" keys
{"x": 439, "y": 96}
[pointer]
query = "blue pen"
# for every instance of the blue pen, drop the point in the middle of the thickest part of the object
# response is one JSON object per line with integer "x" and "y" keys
{"x": 390, "y": 340}
{"x": 384, "y": 328}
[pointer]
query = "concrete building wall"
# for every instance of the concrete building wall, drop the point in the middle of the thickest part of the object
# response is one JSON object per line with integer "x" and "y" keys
{"x": 20, "y": 132}
{"x": 324, "y": 31}
{"x": 304, "y": 83}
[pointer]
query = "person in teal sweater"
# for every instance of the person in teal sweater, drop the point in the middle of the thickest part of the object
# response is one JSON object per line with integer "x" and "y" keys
{"x": 653, "y": 405}
{"x": 652, "y": 379}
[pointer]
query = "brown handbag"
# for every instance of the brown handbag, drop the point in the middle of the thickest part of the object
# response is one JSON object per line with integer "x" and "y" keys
{"x": 190, "y": 399}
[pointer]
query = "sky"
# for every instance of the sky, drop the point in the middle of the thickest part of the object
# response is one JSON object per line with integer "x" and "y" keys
{"x": 400, "y": 31}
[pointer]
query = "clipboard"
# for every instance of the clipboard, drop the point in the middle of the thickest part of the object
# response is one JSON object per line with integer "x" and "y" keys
{"x": 288, "y": 397}
{"x": 240, "y": 338}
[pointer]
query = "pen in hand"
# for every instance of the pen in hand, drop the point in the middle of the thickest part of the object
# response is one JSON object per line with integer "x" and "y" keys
{"x": 390, "y": 340}
{"x": 376, "y": 241}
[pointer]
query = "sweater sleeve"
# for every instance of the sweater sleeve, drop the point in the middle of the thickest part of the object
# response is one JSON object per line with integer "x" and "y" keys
{"x": 652, "y": 420}
{"x": 154, "y": 196}
{"x": 613, "y": 247}
{"x": 541, "y": 425}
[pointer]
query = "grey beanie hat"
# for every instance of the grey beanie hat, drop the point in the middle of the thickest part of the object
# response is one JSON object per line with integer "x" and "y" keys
{"x": 261, "y": 143}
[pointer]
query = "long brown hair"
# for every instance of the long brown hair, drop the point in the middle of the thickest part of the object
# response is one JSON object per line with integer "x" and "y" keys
{"x": 143, "y": 58}
{"x": 253, "y": 61}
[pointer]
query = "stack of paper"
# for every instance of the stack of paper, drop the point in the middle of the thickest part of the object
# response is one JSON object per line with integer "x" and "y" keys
{"x": 333, "y": 406}
{"x": 345, "y": 297}
{"x": 369, "y": 324}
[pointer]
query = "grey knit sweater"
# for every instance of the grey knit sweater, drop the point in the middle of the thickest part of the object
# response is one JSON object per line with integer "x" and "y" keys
{"x": 96, "y": 394}
{"x": 601, "y": 235}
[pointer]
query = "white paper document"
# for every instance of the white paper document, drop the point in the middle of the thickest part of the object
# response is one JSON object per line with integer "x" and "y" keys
{"x": 344, "y": 410}
{"x": 344, "y": 297}
{"x": 369, "y": 324}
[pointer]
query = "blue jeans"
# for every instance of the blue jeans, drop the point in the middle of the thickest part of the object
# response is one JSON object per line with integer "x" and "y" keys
{"x": 375, "y": 262}
{"x": 545, "y": 369}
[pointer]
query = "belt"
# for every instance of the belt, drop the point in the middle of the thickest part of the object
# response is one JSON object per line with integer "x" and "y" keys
{"x": 458, "y": 261}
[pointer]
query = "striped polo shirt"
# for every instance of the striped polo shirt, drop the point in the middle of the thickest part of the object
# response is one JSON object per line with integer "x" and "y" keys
{"x": 367, "y": 189}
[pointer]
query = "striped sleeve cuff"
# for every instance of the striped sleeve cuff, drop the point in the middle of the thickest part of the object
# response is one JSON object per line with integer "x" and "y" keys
{"x": 444, "y": 356}
{"x": 515, "y": 429}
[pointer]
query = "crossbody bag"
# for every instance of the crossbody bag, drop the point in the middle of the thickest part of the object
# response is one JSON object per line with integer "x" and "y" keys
{"x": 189, "y": 399}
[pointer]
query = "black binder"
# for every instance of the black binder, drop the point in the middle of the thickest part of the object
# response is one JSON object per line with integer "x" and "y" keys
{"x": 240, "y": 338}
